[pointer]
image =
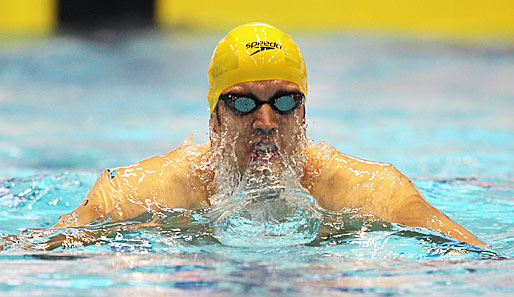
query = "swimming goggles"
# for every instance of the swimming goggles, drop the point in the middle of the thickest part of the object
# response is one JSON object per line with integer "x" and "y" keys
{"x": 243, "y": 104}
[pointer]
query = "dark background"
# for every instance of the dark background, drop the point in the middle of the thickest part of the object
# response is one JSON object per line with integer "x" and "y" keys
{"x": 94, "y": 14}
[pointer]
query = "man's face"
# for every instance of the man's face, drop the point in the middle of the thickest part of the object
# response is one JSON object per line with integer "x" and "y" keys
{"x": 263, "y": 136}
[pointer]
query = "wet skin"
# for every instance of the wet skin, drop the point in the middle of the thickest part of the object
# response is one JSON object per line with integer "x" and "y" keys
{"x": 184, "y": 177}
{"x": 263, "y": 135}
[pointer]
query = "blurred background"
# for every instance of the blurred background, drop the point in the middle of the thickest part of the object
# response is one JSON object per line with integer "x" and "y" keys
{"x": 426, "y": 85}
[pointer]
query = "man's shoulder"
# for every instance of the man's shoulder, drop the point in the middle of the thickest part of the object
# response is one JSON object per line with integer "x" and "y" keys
{"x": 188, "y": 151}
{"x": 326, "y": 155}
{"x": 339, "y": 180}
{"x": 175, "y": 161}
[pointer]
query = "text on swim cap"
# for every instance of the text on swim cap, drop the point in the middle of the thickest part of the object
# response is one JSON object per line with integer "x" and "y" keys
{"x": 262, "y": 46}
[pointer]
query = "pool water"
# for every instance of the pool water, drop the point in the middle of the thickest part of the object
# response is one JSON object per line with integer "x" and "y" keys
{"x": 441, "y": 111}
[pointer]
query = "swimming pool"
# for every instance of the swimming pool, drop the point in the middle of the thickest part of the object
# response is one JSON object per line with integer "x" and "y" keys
{"x": 440, "y": 111}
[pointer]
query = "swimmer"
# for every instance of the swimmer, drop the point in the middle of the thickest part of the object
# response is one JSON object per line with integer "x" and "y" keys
{"x": 257, "y": 95}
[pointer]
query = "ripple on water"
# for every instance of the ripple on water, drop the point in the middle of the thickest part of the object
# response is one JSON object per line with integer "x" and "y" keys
{"x": 38, "y": 201}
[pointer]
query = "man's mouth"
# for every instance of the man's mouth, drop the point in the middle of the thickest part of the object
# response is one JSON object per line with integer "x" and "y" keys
{"x": 264, "y": 151}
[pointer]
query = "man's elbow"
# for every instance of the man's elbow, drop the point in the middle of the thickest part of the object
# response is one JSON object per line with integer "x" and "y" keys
{"x": 415, "y": 212}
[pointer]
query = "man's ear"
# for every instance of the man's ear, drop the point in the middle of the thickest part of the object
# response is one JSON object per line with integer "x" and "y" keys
{"x": 304, "y": 120}
{"x": 217, "y": 111}
{"x": 214, "y": 120}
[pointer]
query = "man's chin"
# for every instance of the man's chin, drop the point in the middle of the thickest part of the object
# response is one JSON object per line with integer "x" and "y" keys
{"x": 271, "y": 163}
{"x": 264, "y": 158}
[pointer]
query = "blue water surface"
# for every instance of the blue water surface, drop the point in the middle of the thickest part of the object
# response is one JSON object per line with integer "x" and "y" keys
{"x": 441, "y": 111}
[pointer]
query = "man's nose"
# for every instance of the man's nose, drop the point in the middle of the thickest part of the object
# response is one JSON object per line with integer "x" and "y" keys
{"x": 265, "y": 121}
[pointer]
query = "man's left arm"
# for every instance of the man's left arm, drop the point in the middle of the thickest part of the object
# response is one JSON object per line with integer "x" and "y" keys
{"x": 410, "y": 208}
{"x": 339, "y": 181}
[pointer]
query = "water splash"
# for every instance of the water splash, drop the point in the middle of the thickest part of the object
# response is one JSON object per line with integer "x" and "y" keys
{"x": 267, "y": 217}
{"x": 259, "y": 200}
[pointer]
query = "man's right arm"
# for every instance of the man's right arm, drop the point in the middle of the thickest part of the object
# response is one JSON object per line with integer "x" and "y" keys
{"x": 123, "y": 193}
{"x": 104, "y": 201}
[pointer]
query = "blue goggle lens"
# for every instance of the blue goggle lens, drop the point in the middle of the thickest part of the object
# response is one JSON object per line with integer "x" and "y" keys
{"x": 242, "y": 105}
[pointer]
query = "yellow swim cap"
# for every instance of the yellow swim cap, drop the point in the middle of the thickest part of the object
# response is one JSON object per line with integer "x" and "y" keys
{"x": 254, "y": 52}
